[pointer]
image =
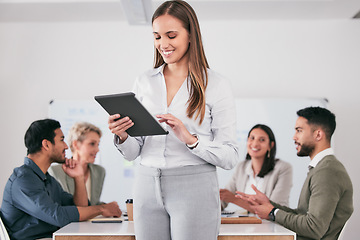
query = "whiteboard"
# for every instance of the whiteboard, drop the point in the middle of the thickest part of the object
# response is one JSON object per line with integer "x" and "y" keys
{"x": 278, "y": 113}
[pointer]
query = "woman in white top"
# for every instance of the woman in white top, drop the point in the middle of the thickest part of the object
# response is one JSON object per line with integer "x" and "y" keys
{"x": 261, "y": 168}
{"x": 177, "y": 171}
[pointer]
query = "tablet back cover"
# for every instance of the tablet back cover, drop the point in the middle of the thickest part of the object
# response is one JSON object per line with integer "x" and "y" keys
{"x": 126, "y": 104}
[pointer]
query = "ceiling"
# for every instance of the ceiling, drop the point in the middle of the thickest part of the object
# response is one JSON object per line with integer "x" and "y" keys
{"x": 118, "y": 10}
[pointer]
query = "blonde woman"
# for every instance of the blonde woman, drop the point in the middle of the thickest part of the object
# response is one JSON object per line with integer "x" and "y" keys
{"x": 83, "y": 139}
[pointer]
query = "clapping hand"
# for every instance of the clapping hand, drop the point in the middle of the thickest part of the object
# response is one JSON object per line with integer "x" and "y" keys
{"x": 259, "y": 202}
{"x": 227, "y": 196}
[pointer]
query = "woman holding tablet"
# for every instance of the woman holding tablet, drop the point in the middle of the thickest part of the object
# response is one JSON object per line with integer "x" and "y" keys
{"x": 176, "y": 192}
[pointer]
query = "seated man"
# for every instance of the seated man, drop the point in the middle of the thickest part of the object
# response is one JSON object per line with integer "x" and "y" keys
{"x": 326, "y": 199}
{"x": 34, "y": 204}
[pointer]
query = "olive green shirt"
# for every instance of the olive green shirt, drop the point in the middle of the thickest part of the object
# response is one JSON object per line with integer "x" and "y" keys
{"x": 325, "y": 203}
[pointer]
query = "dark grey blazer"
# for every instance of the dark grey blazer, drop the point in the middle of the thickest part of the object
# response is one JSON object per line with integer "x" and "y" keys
{"x": 97, "y": 175}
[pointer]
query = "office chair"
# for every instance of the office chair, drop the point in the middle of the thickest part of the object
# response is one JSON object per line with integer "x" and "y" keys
{"x": 3, "y": 233}
{"x": 341, "y": 235}
{"x": 5, "y": 236}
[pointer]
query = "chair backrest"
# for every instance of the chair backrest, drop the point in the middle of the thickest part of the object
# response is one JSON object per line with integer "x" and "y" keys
{"x": 341, "y": 236}
{"x": 3, "y": 233}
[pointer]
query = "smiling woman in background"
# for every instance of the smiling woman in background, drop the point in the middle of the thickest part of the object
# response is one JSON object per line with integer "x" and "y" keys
{"x": 272, "y": 176}
{"x": 83, "y": 139}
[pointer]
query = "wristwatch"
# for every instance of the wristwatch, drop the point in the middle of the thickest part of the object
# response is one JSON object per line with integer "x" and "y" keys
{"x": 194, "y": 145}
{"x": 272, "y": 214}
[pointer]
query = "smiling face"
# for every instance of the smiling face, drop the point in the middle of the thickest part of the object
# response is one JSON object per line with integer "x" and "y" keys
{"x": 58, "y": 148}
{"x": 304, "y": 138}
{"x": 258, "y": 144}
{"x": 88, "y": 148}
{"x": 171, "y": 39}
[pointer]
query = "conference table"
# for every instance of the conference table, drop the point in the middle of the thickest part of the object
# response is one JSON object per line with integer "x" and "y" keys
{"x": 125, "y": 231}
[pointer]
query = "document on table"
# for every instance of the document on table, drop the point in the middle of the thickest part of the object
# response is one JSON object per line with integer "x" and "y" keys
{"x": 237, "y": 213}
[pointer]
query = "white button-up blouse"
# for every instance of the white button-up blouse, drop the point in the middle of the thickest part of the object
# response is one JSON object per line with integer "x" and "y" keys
{"x": 217, "y": 133}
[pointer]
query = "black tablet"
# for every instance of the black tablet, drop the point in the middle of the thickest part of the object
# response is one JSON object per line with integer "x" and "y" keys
{"x": 126, "y": 104}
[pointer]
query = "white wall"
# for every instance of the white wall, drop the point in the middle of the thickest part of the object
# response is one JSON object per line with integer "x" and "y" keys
{"x": 44, "y": 61}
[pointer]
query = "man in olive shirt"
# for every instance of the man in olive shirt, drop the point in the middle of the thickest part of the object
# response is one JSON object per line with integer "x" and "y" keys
{"x": 34, "y": 204}
{"x": 326, "y": 199}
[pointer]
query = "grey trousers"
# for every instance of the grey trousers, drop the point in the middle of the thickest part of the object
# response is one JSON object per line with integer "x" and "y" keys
{"x": 177, "y": 204}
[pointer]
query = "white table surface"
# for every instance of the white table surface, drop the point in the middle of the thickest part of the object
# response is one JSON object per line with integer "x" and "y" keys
{"x": 127, "y": 229}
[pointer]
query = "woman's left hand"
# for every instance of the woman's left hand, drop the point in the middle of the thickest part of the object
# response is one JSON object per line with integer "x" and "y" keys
{"x": 178, "y": 127}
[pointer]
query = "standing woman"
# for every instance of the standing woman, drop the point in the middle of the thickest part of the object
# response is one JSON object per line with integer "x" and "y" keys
{"x": 84, "y": 140}
{"x": 176, "y": 193}
{"x": 261, "y": 169}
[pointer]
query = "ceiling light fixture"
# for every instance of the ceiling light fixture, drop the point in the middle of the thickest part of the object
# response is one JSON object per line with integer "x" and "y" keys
{"x": 137, "y": 12}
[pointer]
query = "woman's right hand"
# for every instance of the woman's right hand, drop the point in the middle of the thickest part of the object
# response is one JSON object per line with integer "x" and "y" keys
{"x": 227, "y": 196}
{"x": 119, "y": 126}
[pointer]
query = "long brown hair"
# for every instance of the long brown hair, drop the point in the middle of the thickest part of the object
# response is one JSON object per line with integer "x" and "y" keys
{"x": 197, "y": 60}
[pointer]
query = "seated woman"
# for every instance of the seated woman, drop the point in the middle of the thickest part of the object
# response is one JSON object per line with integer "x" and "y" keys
{"x": 84, "y": 139}
{"x": 272, "y": 176}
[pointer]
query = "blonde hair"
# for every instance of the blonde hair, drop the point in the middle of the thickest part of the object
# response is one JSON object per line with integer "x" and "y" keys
{"x": 79, "y": 131}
